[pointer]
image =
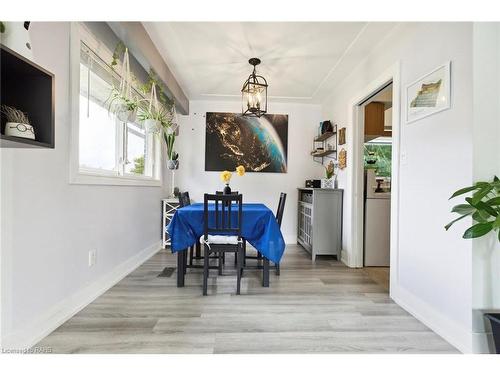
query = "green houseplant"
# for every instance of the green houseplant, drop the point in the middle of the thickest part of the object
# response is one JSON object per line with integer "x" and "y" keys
{"x": 484, "y": 208}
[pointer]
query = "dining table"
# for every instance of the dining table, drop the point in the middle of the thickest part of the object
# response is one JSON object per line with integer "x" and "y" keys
{"x": 258, "y": 227}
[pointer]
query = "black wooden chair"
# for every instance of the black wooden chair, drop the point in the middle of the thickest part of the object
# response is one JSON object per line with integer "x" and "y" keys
{"x": 184, "y": 201}
{"x": 279, "y": 218}
{"x": 222, "y": 233}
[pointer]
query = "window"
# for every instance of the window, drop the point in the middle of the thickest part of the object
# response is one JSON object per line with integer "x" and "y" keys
{"x": 105, "y": 150}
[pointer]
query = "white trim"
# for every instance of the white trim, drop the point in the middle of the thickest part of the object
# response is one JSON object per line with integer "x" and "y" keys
{"x": 454, "y": 333}
{"x": 91, "y": 177}
{"x": 64, "y": 310}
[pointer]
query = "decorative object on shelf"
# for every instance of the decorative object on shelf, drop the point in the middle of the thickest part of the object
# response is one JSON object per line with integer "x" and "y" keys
{"x": 18, "y": 123}
{"x": 327, "y": 183}
{"x": 326, "y": 127}
{"x": 122, "y": 102}
{"x": 342, "y": 136}
{"x": 254, "y": 93}
{"x": 429, "y": 94}
{"x": 225, "y": 177}
{"x": 482, "y": 206}
{"x": 260, "y": 144}
{"x": 342, "y": 158}
{"x": 16, "y": 36}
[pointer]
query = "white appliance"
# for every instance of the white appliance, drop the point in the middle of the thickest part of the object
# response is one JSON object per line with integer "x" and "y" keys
{"x": 377, "y": 224}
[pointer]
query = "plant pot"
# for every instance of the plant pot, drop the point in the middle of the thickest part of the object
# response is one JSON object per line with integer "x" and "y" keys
{"x": 151, "y": 125}
{"x": 495, "y": 329}
{"x": 16, "y": 129}
{"x": 327, "y": 183}
{"x": 173, "y": 164}
{"x": 124, "y": 114}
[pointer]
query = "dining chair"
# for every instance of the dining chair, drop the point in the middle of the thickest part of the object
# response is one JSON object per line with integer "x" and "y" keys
{"x": 279, "y": 219}
{"x": 222, "y": 232}
{"x": 184, "y": 201}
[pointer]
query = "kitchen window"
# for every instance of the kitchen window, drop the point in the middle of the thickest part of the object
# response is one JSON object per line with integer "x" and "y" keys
{"x": 104, "y": 149}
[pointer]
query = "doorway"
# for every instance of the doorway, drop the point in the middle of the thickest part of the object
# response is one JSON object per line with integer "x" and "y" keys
{"x": 389, "y": 161}
{"x": 377, "y": 173}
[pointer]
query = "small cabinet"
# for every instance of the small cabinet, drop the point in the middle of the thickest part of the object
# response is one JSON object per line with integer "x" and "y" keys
{"x": 319, "y": 222}
{"x": 169, "y": 206}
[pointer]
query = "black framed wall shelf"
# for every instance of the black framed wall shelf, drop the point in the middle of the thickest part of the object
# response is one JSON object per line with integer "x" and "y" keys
{"x": 320, "y": 146}
{"x": 28, "y": 87}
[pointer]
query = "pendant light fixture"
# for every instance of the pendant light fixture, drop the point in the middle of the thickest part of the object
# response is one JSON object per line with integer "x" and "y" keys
{"x": 254, "y": 93}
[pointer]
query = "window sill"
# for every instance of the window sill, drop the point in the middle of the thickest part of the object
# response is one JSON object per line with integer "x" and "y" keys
{"x": 82, "y": 178}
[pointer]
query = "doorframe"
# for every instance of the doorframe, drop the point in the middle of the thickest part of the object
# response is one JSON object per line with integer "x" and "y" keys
{"x": 355, "y": 178}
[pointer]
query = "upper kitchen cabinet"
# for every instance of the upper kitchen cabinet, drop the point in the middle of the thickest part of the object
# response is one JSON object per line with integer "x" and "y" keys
{"x": 376, "y": 123}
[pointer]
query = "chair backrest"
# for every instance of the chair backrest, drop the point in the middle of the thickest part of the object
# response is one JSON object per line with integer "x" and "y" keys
{"x": 281, "y": 208}
{"x": 221, "y": 192}
{"x": 226, "y": 216}
{"x": 184, "y": 199}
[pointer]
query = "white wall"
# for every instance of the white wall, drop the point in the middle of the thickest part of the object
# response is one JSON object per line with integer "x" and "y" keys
{"x": 48, "y": 226}
{"x": 486, "y": 137}
{"x": 434, "y": 269}
{"x": 303, "y": 122}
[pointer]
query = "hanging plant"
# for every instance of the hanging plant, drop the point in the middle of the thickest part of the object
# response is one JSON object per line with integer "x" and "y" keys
{"x": 150, "y": 112}
{"x": 122, "y": 102}
{"x": 153, "y": 79}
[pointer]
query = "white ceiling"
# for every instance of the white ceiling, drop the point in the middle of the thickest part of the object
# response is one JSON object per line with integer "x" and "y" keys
{"x": 300, "y": 60}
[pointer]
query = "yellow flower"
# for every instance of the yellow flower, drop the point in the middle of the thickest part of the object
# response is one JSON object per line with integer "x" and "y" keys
{"x": 225, "y": 176}
{"x": 240, "y": 170}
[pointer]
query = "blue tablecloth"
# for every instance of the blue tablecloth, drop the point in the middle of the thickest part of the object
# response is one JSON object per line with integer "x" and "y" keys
{"x": 259, "y": 229}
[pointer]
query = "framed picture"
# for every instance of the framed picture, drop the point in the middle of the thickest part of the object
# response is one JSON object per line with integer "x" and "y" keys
{"x": 258, "y": 143}
{"x": 429, "y": 94}
{"x": 342, "y": 136}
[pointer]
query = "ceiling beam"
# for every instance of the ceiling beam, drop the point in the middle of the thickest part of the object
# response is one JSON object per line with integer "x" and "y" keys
{"x": 135, "y": 36}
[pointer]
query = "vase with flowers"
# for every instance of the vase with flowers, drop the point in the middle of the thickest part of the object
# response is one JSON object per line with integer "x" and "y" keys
{"x": 225, "y": 177}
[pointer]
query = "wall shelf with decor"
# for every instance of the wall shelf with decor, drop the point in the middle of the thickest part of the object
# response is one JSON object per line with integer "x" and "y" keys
{"x": 323, "y": 147}
{"x": 27, "y": 87}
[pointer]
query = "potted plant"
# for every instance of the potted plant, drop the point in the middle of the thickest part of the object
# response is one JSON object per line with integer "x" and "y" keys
{"x": 123, "y": 106}
{"x": 18, "y": 124}
{"x": 122, "y": 102}
{"x": 327, "y": 183}
{"x": 484, "y": 208}
{"x": 153, "y": 114}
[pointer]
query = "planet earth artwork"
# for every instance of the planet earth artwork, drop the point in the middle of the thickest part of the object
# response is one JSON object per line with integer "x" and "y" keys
{"x": 258, "y": 143}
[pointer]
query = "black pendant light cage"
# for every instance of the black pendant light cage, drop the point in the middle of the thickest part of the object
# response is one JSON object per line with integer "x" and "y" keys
{"x": 254, "y": 93}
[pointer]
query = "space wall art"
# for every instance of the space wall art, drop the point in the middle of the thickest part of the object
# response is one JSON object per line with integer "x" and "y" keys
{"x": 259, "y": 144}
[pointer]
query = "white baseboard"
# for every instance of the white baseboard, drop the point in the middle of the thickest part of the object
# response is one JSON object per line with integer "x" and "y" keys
{"x": 64, "y": 310}
{"x": 452, "y": 332}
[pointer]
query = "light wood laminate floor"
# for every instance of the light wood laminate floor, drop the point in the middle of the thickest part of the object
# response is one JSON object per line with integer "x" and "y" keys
{"x": 323, "y": 307}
